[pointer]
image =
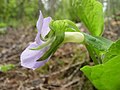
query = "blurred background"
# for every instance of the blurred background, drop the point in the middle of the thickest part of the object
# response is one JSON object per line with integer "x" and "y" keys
{"x": 13, "y": 12}
{"x": 18, "y": 28}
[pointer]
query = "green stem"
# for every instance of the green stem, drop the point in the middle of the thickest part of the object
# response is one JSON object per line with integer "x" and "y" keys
{"x": 92, "y": 55}
{"x": 43, "y": 45}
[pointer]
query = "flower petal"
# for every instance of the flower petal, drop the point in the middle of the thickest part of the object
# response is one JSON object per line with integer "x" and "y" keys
{"x": 45, "y": 28}
{"x": 39, "y": 27}
{"x": 40, "y": 22}
{"x": 29, "y": 57}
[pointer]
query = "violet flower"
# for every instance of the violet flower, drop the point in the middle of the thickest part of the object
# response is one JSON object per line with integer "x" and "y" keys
{"x": 29, "y": 57}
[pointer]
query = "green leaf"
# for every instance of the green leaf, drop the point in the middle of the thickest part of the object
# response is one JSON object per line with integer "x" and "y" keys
{"x": 97, "y": 46}
{"x": 105, "y": 76}
{"x": 113, "y": 51}
{"x": 100, "y": 43}
{"x": 5, "y": 68}
{"x": 90, "y": 13}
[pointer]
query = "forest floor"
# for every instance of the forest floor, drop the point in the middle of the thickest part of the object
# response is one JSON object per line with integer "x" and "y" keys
{"x": 62, "y": 72}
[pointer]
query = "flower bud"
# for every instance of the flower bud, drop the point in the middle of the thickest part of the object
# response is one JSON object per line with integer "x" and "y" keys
{"x": 76, "y": 37}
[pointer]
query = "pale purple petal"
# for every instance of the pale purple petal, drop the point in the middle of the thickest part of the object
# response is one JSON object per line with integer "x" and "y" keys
{"x": 40, "y": 22}
{"x": 45, "y": 28}
{"x": 29, "y": 57}
{"x": 40, "y": 63}
{"x": 39, "y": 27}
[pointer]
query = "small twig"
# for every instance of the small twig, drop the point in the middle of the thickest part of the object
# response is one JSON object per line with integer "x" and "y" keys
{"x": 71, "y": 83}
{"x": 21, "y": 87}
{"x": 73, "y": 74}
{"x": 63, "y": 70}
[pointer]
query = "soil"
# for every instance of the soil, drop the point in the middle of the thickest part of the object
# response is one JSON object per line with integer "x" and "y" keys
{"x": 62, "y": 72}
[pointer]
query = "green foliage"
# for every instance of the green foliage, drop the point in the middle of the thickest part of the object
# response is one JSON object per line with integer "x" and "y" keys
{"x": 13, "y": 12}
{"x": 113, "y": 51}
{"x": 99, "y": 43}
{"x": 7, "y": 67}
{"x": 2, "y": 9}
{"x": 66, "y": 10}
{"x": 2, "y": 25}
{"x": 31, "y": 9}
{"x": 91, "y": 14}
{"x": 97, "y": 47}
{"x": 9, "y": 10}
{"x": 16, "y": 12}
{"x": 105, "y": 76}
{"x": 3, "y": 28}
